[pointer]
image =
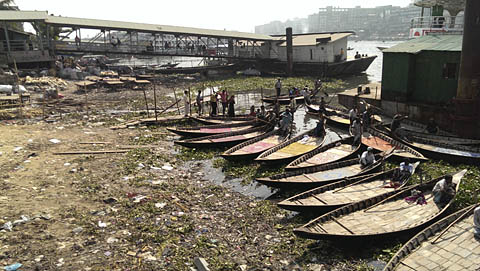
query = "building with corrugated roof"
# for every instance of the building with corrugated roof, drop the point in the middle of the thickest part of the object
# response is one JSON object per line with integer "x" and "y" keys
{"x": 423, "y": 70}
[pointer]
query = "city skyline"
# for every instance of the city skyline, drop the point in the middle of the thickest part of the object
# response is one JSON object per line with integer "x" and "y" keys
{"x": 216, "y": 15}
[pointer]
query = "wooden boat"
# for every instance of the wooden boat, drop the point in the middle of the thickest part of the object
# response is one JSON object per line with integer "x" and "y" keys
{"x": 254, "y": 147}
{"x": 332, "y": 196}
{"x": 283, "y": 99}
{"x": 198, "y": 131}
{"x": 447, "y": 244}
{"x": 339, "y": 116}
{"x": 209, "y": 120}
{"x": 451, "y": 140}
{"x": 225, "y": 139}
{"x": 442, "y": 151}
{"x": 379, "y": 217}
{"x": 381, "y": 142}
{"x": 333, "y": 152}
{"x": 291, "y": 149}
{"x": 320, "y": 175}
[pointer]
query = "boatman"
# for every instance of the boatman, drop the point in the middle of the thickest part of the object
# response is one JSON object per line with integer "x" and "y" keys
{"x": 199, "y": 102}
{"x": 278, "y": 87}
{"x": 432, "y": 127}
{"x": 367, "y": 158}
{"x": 397, "y": 119}
{"x": 352, "y": 114}
{"x": 357, "y": 131}
{"x": 285, "y": 122}
{"x": 213, "y": 104}
{"x": 443, "y": 191}
{"x": 476, "y": 222}
{"x": 402, "y": 173}
{"x": 223, "y": 99}
{"x": 320, "y": 128}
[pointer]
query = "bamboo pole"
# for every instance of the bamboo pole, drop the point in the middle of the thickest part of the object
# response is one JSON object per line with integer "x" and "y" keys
{"x": 146, "y": 102}
{"x": 86, "y": 100}
{"x": 178, "y": 107}
{"x": 189, "y": 102}
{"x": 453, "y": 223}
{"x": 155, "y": 97}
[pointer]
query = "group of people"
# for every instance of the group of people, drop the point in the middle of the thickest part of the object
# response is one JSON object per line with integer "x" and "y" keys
{"x": 359, "y": 122}
{"x": 227, "y": 102}
{"x": 295, "y": 92}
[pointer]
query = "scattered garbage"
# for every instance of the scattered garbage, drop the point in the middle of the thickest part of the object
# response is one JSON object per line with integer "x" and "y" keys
{"x": 17, "y": 149}
{"x": 13, "y": 267}
{"x": 55, "y": 141}
{"x": 201, "y": 264}
{"x": 77, "y": 230}
{"x": 8, "y": 226}
{"x": 101, "y": 224}
{"x": 167, "y": 167}
{"x": 160, "y": 205}
{"x": 110, "y": 200}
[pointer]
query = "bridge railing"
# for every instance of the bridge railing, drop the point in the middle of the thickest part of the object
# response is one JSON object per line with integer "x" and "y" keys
{"x": 150, "y": 49}
{"x": 438, "y": 22}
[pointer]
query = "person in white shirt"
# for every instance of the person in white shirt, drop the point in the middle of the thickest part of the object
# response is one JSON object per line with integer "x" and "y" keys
{"x": 357, "y": 131}
{"x": 443, "y": 190}
{"x": 278, "y": 87}
{"x": 352, "y": 114}
{"x": 367, "y": 158}
{"x": 476, "y": 222}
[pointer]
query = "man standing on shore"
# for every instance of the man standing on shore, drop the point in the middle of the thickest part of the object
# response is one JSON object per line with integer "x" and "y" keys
{"x": 223, "y": 99}
{"x": 278, "y": 86}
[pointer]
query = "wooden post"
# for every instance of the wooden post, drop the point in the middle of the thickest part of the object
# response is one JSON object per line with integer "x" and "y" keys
{"x": 43, "y": 104}
{"x": 178, "y": 107}
{"x": 86, "y": 99}
{"x": 190, "y": 102}
{"x": 155, "y": 98}
{"x": 261, "y": 89}
{"x": 146, "y": 102}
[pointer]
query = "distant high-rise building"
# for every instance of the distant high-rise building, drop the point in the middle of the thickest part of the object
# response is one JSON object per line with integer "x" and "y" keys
{"x": 383, "y": 22}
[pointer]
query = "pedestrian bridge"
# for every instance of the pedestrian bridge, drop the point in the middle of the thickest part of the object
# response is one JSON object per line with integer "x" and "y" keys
{"x": 63, "y": 35}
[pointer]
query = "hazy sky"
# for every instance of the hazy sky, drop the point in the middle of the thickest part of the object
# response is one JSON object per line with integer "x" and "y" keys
{"x": 213, "y": 14}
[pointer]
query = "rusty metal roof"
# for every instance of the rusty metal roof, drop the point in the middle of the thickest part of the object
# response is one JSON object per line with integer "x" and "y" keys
{"x": 22, "y": 16}
{"x": 428, "y": 43}
{"x": 151, "y": 28}
{"x": 312, "y": 39}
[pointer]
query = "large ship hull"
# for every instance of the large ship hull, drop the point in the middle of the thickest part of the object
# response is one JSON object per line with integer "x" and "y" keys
{"x": 354, "y": 66}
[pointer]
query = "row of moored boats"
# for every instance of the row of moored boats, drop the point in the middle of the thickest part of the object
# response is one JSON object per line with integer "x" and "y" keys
{"x": 355, "y": 202}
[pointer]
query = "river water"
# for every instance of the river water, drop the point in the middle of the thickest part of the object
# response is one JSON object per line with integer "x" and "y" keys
{"x": 303, "y": 122}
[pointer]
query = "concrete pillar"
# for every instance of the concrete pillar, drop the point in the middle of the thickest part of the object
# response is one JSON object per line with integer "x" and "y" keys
{"x": 467, "y": 101}
{"x": 289, "y": 51}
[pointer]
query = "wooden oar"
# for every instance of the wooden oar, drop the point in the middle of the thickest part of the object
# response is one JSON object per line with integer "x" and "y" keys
{"x": 341, "y": 225}
{"x": 391, "y": 197}
{"x": 408, "y": 266}
{"x": 453, "y": 223}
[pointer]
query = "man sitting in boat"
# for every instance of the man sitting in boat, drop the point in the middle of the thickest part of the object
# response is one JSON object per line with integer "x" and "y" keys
{"x": 367, "y": 158}
{"x": 252, "y": 112}
{"x": 401, "y": 174}
{"x": 262, "y": 114}
{"x": 432, "y": 126}
{"x": 306, "y": 94}
{"x": 443, "y": 191}
{"x": 357, "y": 55}
{"x": 285, "y": 122}
{"x": 320, "y": 128}
{"x": 476, "y": 222}
{"x": 397, "y": 119}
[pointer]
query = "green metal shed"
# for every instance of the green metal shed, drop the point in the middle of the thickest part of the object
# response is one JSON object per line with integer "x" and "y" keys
{"x": 423, "y": 70}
